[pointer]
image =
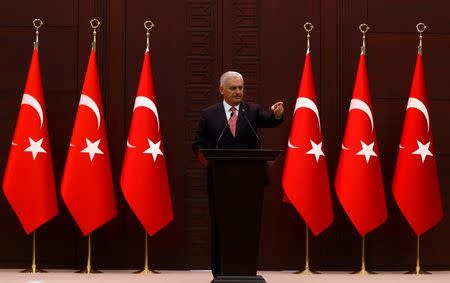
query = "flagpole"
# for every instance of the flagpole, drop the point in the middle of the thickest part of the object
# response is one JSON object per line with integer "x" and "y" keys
{"x": 146, "y": 269}
{"x": 33, "y": 269}
{"x": 146, "y": 254}
{"x": 148, "y": 25}
{"x": 363, "y": 258}
{"x": 363, "y": 270}
{"x": 421, "y": 27}
{"x": 307, "y": 271}
{"x": 33, "y": 259}
{"x": 88, "y": 265}
{"x": 363, "y": 28}
{"x": 95, "y": 23}
{"x": 37, "y": 23}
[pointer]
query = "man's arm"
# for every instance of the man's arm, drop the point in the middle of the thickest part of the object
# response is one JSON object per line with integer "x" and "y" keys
{"x": 266, "y": 119}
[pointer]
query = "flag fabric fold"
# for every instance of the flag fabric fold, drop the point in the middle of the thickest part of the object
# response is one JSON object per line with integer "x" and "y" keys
{"x": 144, "y": 180}
{"x": 28, "y": 182}
{"x": 87, "y": 185}
{"x": 305, "y": 175}
{"x": 359, "y": 184}
{"x": 415, "y": 183}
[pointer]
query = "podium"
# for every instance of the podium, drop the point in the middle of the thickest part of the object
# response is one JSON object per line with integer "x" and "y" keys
{"x": 236, "y": 179}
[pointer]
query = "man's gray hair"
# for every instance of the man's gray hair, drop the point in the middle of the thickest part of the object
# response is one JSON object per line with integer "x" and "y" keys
{"x": 230, "y": 74}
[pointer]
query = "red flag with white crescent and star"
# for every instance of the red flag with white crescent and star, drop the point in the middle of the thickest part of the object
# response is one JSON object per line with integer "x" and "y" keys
{"x": 144, "y": 180}
{"x": 305, "y": 175}
{"x": 415, "y": 184}
{"x": 359, "y": 183}
{"x": 87, "y": 185}
{"x": 28, "y": 183}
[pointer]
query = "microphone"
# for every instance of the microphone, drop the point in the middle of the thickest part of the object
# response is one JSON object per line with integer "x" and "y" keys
{"x": 223, "y": 130}
{"x": 243, "y": 111}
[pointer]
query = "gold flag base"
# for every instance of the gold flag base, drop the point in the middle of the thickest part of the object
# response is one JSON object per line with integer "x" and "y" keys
{"x": 33, "y": 270}
{"x": 86, "y": 271}
{"x": 146, "y": 271}
{"x": 363, "y": 272}
{"x": 306, "y": 272}
{"x": 418, "y": 272}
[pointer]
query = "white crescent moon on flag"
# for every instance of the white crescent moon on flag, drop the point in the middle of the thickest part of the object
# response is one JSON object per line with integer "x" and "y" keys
{"x": 303, "y": 102}
{"x": 142, "y": 101}
{"x": 130, "y": 145}
{"x": 344, "y": 147}
{"x": 417, "y": 104}
{"x": 90, "y": 103}
{"x": 361, "y": 105}
{"x": 30, "y": 100}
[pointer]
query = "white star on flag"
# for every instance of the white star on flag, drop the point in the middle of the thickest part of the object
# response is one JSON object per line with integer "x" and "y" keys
{"x": 423, "y": 150}
{"x": 154, "y": 149}
{"x": 35, "y": 147}
{"x": 92, "y": 148}
{"x": 316, "y": 149}
{"x": 367, "y": 151}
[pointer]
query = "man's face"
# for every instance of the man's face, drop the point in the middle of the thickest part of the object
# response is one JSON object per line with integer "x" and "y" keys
{"x": 232, "y": 90}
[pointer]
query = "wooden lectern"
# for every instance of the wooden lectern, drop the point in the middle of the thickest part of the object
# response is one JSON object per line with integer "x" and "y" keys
{"x": 236, "y": 179}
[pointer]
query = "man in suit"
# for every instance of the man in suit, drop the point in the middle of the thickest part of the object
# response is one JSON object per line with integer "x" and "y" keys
{"x": 231, "y": 124}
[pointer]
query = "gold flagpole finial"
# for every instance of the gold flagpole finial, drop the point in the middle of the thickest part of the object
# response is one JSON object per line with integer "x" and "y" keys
{"x": 94, "y": 24}
{"x": 363, "y": 28}
{"x": 37, "y": 23}
{"x": 421, "y": 27}
{"x": 148, "y": 26}
{"x": 308, "y": 28}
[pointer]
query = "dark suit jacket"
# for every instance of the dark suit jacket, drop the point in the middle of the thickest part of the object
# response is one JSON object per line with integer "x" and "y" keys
{"x": 214, "y": 120}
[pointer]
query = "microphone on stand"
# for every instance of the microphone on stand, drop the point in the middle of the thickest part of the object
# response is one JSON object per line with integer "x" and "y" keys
{"x": 243, "y": 111}
{"x": 223, "y": 130}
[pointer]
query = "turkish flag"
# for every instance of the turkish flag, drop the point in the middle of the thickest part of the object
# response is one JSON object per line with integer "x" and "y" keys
{"x": 359, "y": 183}
{"x": 305, "y": 176}
{"x": 87, "y": 185}
{"x": 28, "y": 183}
{"x": 415, "y": 184}
{"x": 144, "y": 176}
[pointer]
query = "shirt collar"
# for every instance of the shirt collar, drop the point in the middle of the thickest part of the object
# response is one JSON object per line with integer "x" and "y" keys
{"x": 228, "y": 107}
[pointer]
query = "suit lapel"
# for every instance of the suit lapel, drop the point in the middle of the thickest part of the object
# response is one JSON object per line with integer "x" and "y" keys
{"x": 223, "y": 117}
{"x": 221, "y": 112}
{"x": 240, "y": 120}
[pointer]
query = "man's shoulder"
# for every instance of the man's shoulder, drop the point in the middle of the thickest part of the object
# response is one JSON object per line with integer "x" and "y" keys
{"x": 213, "y": 107}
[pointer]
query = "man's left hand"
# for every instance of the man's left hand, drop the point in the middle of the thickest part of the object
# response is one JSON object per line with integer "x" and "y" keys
{"x": 278, "y": 109}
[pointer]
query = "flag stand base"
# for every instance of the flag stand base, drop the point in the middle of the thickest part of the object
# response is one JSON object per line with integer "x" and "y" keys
{"x": 418, "y": 270}
{"x": 146, "y": 271}
{"x": 421, "y": 271}
{"x": 363, "y": 272}
{"x": 36, "y": 270}
{"x": 306, "y": 272}
{"x": 85, "y": 271}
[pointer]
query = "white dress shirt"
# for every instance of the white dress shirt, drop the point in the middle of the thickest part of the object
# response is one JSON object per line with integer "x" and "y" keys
{"x": 227, "y": 108}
